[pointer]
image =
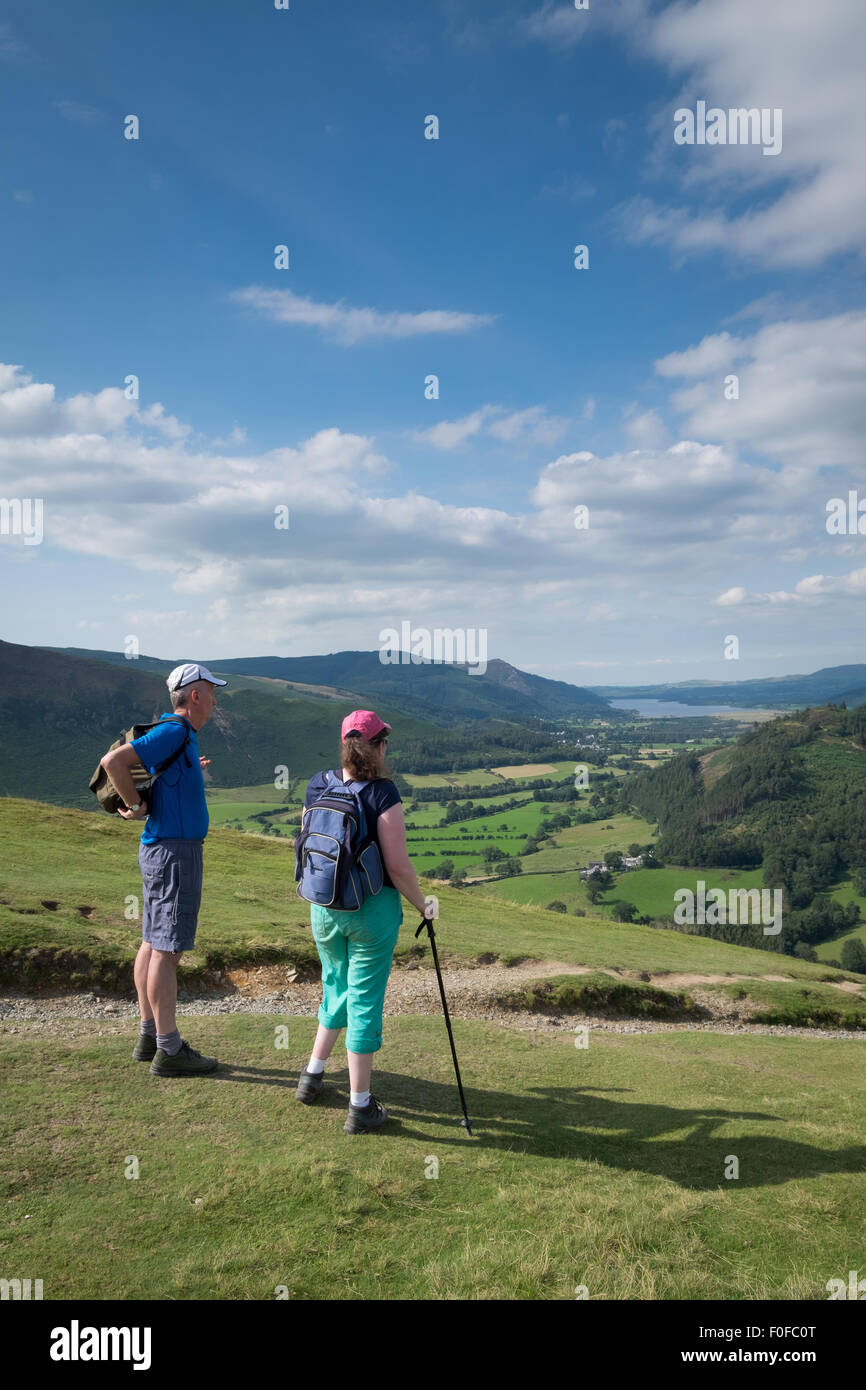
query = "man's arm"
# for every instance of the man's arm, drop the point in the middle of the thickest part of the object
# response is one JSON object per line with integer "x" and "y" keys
{"x": 117, "y": 765}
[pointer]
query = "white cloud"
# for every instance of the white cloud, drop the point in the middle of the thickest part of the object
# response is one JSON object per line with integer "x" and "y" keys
{"x": 713, "y": 353}
{"x": 806, "y": 61}
{"x": 801, "y": 397}
{"x": 349, "y": 327}
{"x": 671, "y": 528}
{"x": 560, "y": 25}
{"x": 530, "y": 426}
{"x": 450, "y": 434}
{"x": 647, "y": 430}
{"x": 28, "y": 408}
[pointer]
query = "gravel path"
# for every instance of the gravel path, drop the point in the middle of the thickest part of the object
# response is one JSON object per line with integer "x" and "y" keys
{"x": 412, "y": 989}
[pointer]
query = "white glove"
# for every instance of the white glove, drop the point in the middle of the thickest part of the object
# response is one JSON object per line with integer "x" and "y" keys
{"x": 431, "y": 908}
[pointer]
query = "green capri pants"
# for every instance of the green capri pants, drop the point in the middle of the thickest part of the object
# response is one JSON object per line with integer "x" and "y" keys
{"x": 356, "y": 950}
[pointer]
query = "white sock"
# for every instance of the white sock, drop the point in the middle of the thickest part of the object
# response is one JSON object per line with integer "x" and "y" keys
{"x": 315, "y": 1066}
{"x": 359, "y": 1098}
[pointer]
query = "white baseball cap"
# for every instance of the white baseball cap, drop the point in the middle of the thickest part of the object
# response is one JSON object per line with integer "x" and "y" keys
{"x": 189, "y": 672}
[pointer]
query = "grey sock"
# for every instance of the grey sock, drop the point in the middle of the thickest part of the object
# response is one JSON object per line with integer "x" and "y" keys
{"x": 170, "y": 1043}
{"x": 148, "y": 1027}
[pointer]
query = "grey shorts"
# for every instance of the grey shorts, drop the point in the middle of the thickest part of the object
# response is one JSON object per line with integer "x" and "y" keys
{"x": 171, "y": 876}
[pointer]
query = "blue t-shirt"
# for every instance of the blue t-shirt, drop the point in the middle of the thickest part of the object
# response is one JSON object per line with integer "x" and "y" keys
{"x": 376, "y": 797}
{"x": 178, "y": 807}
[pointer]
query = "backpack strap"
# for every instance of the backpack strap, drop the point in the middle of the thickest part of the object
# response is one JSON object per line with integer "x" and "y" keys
{"x": 175, "y": 719}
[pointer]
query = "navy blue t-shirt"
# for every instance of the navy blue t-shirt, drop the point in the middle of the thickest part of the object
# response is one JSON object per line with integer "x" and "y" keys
{"x": 376, "y": 797}
{"x": 178, "y": 808}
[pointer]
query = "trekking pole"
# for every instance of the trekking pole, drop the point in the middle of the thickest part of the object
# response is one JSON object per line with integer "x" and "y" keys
{"x": 428, "y": 923}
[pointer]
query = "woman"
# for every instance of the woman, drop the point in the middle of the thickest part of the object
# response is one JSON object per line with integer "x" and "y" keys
{"x": 357, "y": 948}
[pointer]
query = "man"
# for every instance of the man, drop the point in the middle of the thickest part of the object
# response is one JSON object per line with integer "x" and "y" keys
{"x": 170, "y": 857}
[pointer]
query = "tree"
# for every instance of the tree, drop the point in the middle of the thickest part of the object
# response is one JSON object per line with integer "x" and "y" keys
{"x": 594, "y": 889}
{"x": 854, "y": 955}
{"x": 634, "y": 850}
{"x": 444, "y": 870}
{"x": 556, "y": 906}
{"x": 613, "y": 859}
{"x": 623, "y": 911}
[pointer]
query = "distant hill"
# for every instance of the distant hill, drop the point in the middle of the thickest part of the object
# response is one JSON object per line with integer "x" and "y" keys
{"x": 60, "y": 713}
{"x": 443, "y": 693}
{"x": 789, "y": 795}
{"x": 769, "y": 692}
{"x": 852, "y": 698}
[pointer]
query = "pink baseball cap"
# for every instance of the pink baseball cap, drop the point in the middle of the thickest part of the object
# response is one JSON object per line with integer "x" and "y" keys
{"x": 364, "y": 722}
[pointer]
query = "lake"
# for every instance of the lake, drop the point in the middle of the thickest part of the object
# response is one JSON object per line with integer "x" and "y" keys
{"x": 669, "y": 709}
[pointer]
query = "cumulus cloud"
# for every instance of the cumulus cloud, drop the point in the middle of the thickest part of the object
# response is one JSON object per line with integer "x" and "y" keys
{"x": 801, "y": 397}
{"x": 28, "y": 407}
{"x": 814, "y": 586}
{"x": 349, "y": 327}
{"x": 646, "y": 430}
{"x": 670, "y": 529}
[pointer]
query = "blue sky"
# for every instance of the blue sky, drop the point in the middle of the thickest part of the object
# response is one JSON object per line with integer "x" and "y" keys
{"x": 601, "y": 387}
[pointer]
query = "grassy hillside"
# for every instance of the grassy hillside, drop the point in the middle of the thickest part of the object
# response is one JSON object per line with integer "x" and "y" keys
{"x": 69, "y": 878}
{"x": 788, "y": 798}
{"x": 60, "y": 714}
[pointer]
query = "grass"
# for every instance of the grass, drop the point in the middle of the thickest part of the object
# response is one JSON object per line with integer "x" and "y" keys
{"x": 804, "y": 1006}
{"x": 598, "y": 993}
{"x": 69, "y": 878}
{"x": 601, "y": 1166}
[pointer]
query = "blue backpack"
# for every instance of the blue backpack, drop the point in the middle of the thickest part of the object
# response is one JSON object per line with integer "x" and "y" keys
{"x": 337, "y": 862}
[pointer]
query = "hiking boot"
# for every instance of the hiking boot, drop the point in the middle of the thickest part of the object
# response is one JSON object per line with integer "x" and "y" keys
{"x": 309, "y": 1086}
{"x": 365, "y": 1117}
{"x": 145, "y": 1048}
{"x": 187, "y": 1062}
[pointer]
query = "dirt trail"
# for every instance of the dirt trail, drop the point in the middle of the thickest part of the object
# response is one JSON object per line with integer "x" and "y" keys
{"x": 471, "y": 992}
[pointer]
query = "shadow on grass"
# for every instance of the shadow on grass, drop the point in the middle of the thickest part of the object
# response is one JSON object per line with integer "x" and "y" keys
{"x": 584, "y": 1122}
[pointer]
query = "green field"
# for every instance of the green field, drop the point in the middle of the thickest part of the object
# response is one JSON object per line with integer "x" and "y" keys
{"x": 67, "y": 878}
{"x": 576, "y": 845}
{"x": 844, "y": 893}
{"x": 504, "y": 777}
